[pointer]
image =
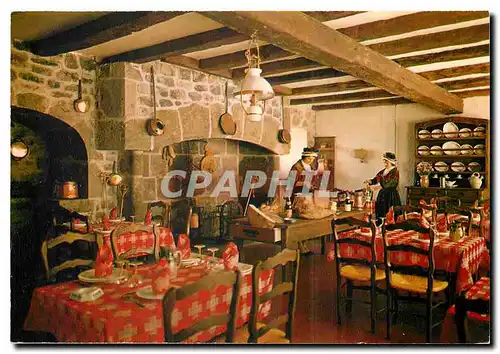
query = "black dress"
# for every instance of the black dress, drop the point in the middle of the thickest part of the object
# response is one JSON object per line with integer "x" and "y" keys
{"x": 388, "y": 196}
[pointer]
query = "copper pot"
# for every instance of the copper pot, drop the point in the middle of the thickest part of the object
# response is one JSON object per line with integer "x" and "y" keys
{"x": 67, "y": 190}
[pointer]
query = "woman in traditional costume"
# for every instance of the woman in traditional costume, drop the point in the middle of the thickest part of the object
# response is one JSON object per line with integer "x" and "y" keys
{"x": 388, "y": 179}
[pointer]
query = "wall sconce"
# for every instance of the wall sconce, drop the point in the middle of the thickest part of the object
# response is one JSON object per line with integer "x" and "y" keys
{"x": 360, "y": 154}
{"x": 19, "y": 150}
{"x": 254, "y": 88}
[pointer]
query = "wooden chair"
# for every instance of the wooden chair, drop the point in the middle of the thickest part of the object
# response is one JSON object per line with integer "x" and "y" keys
{"x": 357, "y": 269}
{"x": 163, "y": 218}
{"x": 127, "y": 244}
{"x": 412, "y": 279}
{"x": 269, "y": 333}
{"x": 210, "y": 281}
{"x": 55, "y": 249}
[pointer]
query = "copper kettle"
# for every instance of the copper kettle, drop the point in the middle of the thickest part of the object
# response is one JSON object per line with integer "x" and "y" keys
{"x": 66, "y": 190}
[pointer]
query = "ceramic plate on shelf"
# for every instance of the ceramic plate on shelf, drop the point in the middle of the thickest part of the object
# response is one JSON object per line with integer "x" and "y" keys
{"x": 465, "y": 133}
{"x": 479, "y": 149}
{"x": 451, "y": 148}
{"x": 479, "y": 131}
{"x": 474, "y": 167}
{"x": 440, "y": 166}
{"x": 450, "y": 130}
{"x": 436, "y": 150}
{"x": 88, "y": 276}
{"x": 458, "y": 166}
{"x": 423, "y": 150}
{"x": 437, "y": 133}
{"x": 466, "y": 149}
{"x": 424, "y": 134}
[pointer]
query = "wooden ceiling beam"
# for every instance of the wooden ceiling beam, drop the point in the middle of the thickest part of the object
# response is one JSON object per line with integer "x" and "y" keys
{"x": 409, "y": 23}
{"x": 367, "y": 31}
{"x": 325, "y": 16}
{"x": 305, "y": 36}
{"x": 180, "y": 46}
{"x": 448, "y": 85}
{"x": 100, "y": 30}
{"x": 360, "y": 84}
{"x": 392, "y": 101}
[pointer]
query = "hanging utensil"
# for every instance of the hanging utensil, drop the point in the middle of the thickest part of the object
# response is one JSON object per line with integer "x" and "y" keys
{"x": 226, "y": 121}
{"x": 283, "y": 134}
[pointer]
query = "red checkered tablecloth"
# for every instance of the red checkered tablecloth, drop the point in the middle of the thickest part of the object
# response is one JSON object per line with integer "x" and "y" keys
{"x": 462, "y": 257}
{"x": 113, "y": 318}
{"x": 480, "y": 290}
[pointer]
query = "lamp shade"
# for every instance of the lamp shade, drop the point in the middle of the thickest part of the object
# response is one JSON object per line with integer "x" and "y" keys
{"x": 254, "y": 84}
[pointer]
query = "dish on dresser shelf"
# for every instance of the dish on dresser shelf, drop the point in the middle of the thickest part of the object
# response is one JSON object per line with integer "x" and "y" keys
{"x": 466, "y": 149}
{"x": 465, "y": 133}
{"x": 450, "y": 130}
{"x": 479, "y": 131}
{"x": 424, "y": 134}
{"x": 441, "y": 166}
{"x": 436, "y": 150}
{"x": 474, "y": 166}
{"x": 437, "y": 133}
{"x": 458, "y": 166}
{"x": 451, "y": 148}
{"x": 423, "y": 150}
{"x": 479, "y": 149}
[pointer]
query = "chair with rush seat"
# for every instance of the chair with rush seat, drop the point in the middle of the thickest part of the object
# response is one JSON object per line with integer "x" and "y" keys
{"x": 269, "y": 333}
{"x": 413, "y": 279}
{"x": 353, "y": 269}
{"x": 210, "y": 282}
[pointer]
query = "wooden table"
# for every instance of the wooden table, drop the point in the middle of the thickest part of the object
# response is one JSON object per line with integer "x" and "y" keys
{"x": 289, "y": 235}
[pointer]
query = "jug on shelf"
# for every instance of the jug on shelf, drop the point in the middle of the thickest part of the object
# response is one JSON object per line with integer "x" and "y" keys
{"x": 476, "y": 180}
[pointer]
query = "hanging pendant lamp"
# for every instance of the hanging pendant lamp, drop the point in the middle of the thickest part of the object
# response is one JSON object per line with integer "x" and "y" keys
{"x": 254, "y": 88}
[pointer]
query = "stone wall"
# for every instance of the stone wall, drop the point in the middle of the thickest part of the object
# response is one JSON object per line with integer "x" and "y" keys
{"x": 50, "y": 85}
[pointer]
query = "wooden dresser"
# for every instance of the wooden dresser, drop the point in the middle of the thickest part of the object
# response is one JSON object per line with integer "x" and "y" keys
{"x": 428, "y": 141}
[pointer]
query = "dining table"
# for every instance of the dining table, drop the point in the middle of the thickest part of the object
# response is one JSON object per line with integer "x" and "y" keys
{"x": 123, "y": 315}
{"x": 461, "y": 259}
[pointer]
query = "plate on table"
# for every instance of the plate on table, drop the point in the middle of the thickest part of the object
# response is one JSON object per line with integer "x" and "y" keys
{"x": 465, "y": 133}
{"x": 450, "y": 130}
{"x": 423, "y": 150}
{"x": 437, "y": 133}
{"x": 88, "y": 276}
{"x": 441, "y": 166}
{"x": 474, "y": 167}
{"x": 424, "y": 134}
{"x": 466, "y": 149}
{"x": 458, "y": 166}
{"x": 451, "y": 145}
{"x": 436, "y": 150}
{"x": 479, "y": 149}
{"x": 479, "y": 131}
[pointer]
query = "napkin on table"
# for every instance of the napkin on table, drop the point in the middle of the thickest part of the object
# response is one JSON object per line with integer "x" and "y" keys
{"x": 161, "y": 277}
{"x": 112, "y": 214}
{"x": 231, "y": 256}
{"x": 148, "y": 218}
{"x": 104, "y": 261}
{"x": 184, "y": 246}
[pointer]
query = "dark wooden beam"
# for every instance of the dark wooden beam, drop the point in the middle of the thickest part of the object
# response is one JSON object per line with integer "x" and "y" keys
{"x": 303, "y": 35}
{"x": 374, "y": 103}
{"x": 325, "y": 16}
{"x": 359, "y": 84}
{"x": 446, "y": 55}
{"x": 371, "y": 30}
{"x": 392, "y": 101}
{"x": 408, "y": 23}
{"x": 279, "y": 67}
{"x": 473, "y": 93}
{"x": 458, "y": 36}
{"x": 100, "y": 30}
{"x": 180, "y": 46}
